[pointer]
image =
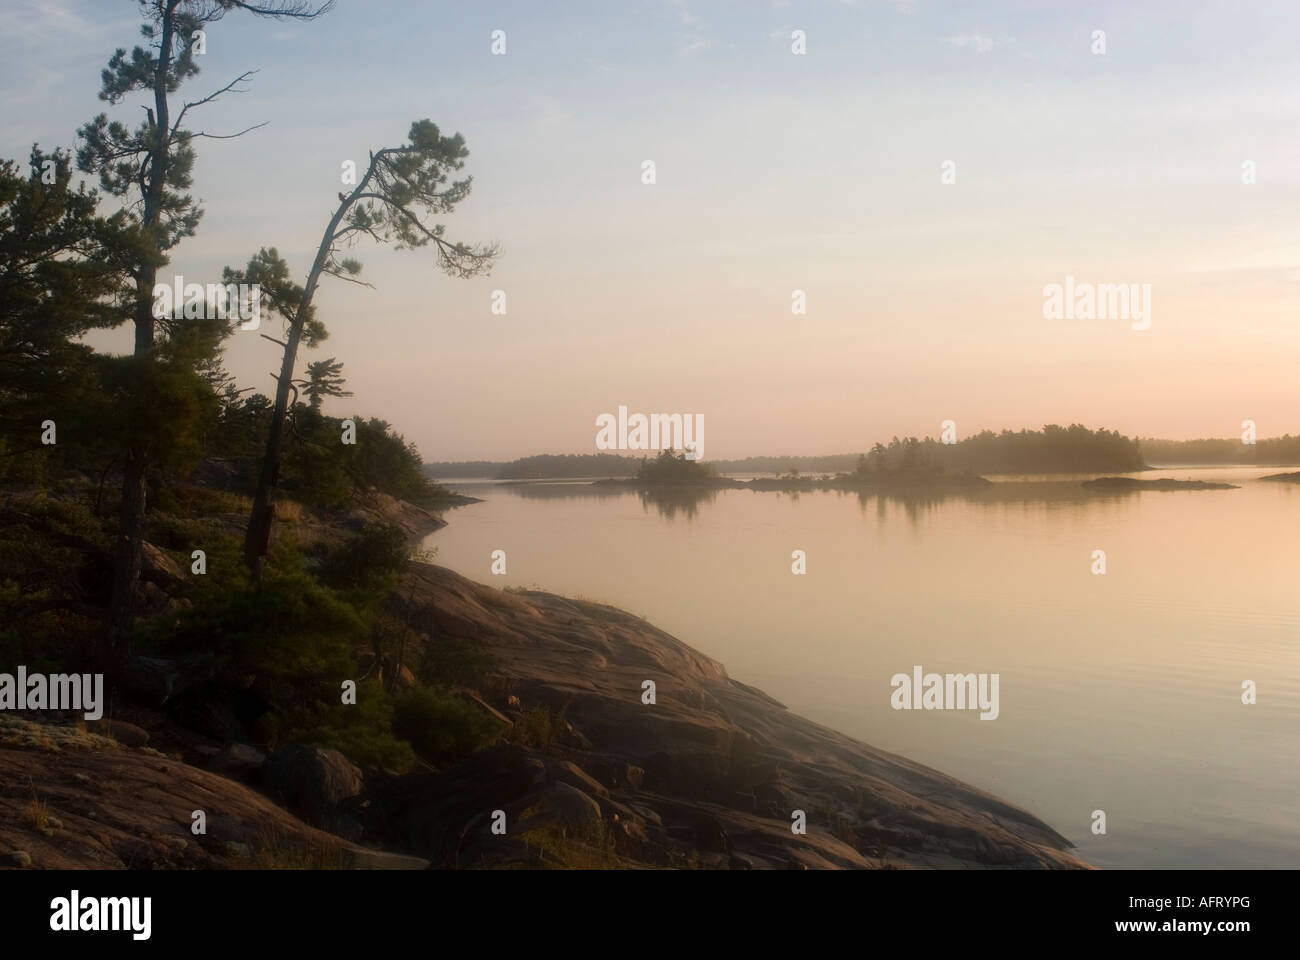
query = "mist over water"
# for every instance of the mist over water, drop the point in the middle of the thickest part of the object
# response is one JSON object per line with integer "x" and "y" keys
{"x": 1119, "y": 692}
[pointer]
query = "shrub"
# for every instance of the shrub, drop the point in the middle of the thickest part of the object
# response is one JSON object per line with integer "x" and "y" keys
{"x": 442, "y": 726}
{"x": 455, "y": 660}
{"x": 290, "y": 628}
{"x": 370, "y": 562}
{"x": 362, "y": 732}
{"x": 539, "y": 727}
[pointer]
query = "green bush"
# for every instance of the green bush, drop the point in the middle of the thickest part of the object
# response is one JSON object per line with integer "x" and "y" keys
{"x": 290, "y": 629}
{"x": 455, "y": 660}
{"x": 539, "y": 727}
{"x": 442, "y": 726}
{"x": 370, "y": 562}
{"x": 362, "y": 732}
{"x": 321, "y": 471}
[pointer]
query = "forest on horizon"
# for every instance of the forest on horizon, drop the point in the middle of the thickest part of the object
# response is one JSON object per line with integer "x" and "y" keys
{"x": 1051, "y": 450}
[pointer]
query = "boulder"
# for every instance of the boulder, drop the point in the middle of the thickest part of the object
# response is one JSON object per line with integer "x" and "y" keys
{"x": 239, "y": 762}
{"x": 573, "y": 807}
{"x": 535, "y": 769}
{"x": 315, "y": 784}
{"x": 566, "y": 771}
{"x": 127, "y": 734}
{"x": 155, "y": 565}
{"x": 650, "y": 816}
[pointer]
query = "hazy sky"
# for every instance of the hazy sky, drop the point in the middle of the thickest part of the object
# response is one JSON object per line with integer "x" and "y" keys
{"x": 775, "y": 172}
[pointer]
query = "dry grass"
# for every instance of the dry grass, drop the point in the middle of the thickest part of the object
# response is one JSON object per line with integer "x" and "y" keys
{"x": 290, "y": 511}
{"x": 50, "y": 737}
{"x": 588, "y": 849}
{"x": 505, "y": 600}
{"x": 277, "y": 851}
{"x": 37, "y": 812}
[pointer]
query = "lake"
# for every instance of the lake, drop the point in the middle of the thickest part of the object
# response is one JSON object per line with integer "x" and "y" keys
{"x": 1119, "y": 692}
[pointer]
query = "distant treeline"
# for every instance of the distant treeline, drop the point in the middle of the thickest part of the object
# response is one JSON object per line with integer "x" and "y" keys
{"x": 612, "y": 465}
{"x": 542, "y": 467}
{"x": 1274, "y": 451}
{"x": 1054, "y": 449}
{"x": 465, "y": 468}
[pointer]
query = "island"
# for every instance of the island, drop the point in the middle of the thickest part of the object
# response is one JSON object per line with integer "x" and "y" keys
{"x": 1132, "y": 483}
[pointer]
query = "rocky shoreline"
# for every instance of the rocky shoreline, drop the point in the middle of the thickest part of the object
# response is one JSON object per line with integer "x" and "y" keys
{"x": 709, "y": 775}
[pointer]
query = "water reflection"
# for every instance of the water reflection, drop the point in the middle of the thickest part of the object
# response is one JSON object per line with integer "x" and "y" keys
{"x": 670, "y": 501}
{"x": 1059, "y": 493}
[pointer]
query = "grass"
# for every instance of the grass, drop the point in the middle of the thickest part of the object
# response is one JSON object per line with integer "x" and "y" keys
{"x": 278, "y": 851}
{"x": 50, "y": 737}
{"x": 600, "y": 611}
{"x": 190, "y": 500}
{"x": 37, "y": 813}
{"x": 591, "y": 848}
{"x": 290, "y": 511}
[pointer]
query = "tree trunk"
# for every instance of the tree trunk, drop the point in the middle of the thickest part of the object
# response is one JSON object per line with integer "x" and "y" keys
{"x": 129, "y": 548}
{"x": 257, "y": 537}
{"x": 126, "y": 558}
{"x": 130, "y": 543}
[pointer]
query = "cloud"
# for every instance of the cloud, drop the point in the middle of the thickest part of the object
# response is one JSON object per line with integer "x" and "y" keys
{"x": 691, "y": 39}
{"x": 902, "y": 6}
{"x": 28, "y": 25}
{"x": 971, "y": 41}
{"x": 48, "y": 21}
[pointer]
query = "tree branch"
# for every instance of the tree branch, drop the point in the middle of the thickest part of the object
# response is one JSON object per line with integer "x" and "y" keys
{"x": 243, "y": 77}
{"x": 220, "y": 136}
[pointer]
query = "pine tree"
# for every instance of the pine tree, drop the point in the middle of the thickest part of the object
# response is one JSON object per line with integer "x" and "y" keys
{"x": 149, "y": 168}
{"x": 400, "y": 190}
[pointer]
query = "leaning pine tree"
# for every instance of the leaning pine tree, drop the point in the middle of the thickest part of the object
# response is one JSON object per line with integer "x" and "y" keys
{"x": 401, "y": 189}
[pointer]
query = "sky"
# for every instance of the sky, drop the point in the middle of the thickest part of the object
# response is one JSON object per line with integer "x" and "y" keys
{"x": 774, "y": 172}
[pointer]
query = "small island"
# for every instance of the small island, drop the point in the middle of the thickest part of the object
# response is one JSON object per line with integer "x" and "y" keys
{"x": 901, "y": 465}
{"x": 1132, "y": 483}
{"x": 1284, "y": 477}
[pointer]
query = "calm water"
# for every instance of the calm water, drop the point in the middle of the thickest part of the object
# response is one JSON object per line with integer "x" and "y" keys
{"x": 1119, "y": 692}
